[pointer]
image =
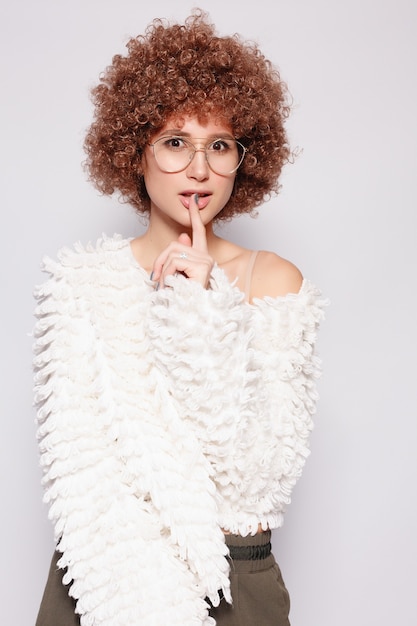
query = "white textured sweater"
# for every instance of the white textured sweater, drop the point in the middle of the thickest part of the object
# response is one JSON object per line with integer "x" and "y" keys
{"x": 165, "y": 416}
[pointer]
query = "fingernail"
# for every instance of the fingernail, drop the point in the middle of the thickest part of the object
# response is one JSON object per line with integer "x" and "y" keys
{"x": 196, "y": 198}
{"x": 151, "y": 276}
{"x": 156, "y": 286}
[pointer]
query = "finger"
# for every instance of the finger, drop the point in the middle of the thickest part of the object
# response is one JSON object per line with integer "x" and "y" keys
{"x": 197, "y": 227}
{"x": 185, "y": 240}
{"x": 191, "y": 264}
{"x": 172, "y": 259}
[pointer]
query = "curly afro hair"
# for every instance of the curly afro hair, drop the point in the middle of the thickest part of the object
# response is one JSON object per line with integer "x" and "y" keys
{"x": 181, "y": 70}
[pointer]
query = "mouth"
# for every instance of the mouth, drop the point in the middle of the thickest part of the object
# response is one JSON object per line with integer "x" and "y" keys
{"x": 203, "y": 198}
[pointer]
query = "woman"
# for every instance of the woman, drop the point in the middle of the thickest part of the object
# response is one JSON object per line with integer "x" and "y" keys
{"x": 175, "y": 371}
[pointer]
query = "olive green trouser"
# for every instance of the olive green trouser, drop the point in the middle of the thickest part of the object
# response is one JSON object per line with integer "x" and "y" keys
{"x": 259, "y": 594}
{"x": 57, "y": 608}
{"x": 260, "y": 597}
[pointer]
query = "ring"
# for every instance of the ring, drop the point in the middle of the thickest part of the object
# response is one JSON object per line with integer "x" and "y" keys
{"x": 183, "y": 255}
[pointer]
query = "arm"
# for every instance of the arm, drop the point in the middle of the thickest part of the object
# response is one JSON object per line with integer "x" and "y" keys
{"x": 108, "y": 529}
{"x": 285, "y": 334}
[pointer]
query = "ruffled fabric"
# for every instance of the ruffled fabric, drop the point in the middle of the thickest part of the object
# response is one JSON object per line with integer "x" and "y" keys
{"x": 245, "y": 379}
{"x": 164, "y": 416}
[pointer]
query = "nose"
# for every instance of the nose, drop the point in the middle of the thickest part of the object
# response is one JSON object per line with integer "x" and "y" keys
{"x": 198, "y": 167}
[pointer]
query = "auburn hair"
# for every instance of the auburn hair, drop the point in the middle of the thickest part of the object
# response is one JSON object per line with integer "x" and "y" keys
{"x": 177, "y": 70}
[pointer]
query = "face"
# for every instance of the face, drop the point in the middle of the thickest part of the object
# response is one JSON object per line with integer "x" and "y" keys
{"x": 170, "y": 193}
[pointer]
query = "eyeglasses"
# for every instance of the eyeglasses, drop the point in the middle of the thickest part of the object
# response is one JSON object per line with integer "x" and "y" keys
{"x": 173, "y": 154}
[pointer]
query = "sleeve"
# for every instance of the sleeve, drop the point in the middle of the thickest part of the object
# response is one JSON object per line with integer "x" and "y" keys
{"x": 284, "y": 354}
{"x": 122, "y": 570}
{"x": 196, "y": 343}
{"x": 201, "y": 342}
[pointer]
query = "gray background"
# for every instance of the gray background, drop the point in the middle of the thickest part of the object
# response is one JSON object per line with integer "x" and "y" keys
{"x": 346, "y": 217}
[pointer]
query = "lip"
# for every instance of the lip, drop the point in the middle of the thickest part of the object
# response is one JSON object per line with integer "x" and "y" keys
{"x": 203, "y": 198}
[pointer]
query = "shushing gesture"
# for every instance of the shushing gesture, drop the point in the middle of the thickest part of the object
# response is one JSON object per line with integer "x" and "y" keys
{"x": 186, "y": 255}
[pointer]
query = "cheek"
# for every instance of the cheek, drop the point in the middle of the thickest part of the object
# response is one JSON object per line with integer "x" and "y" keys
{"x": 151, "y": 177}
{"x": 154, "y": 189}
{"x": 228, "y": 188}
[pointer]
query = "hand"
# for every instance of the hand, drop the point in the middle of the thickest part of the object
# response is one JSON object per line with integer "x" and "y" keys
{"x": 187, "y": 256}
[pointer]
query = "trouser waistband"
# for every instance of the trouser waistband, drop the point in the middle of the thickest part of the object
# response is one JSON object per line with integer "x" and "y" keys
{"x": 251, "y": 553}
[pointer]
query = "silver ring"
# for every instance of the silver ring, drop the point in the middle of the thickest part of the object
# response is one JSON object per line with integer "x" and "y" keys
{"x": 183, "y": 255}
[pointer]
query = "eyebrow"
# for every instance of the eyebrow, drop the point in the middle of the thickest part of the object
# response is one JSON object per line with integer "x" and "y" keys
{"x": 180, "y": 133}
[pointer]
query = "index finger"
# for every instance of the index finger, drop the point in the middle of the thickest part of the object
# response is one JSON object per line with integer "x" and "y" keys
{"x": 198, "y": 229}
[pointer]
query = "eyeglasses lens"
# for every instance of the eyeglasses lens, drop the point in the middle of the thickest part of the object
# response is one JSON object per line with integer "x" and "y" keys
{"x": 174, "y": 154}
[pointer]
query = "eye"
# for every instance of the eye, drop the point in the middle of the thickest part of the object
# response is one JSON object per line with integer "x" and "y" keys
{"x": 221, "y": 145}
{"x": 174, "y": 143}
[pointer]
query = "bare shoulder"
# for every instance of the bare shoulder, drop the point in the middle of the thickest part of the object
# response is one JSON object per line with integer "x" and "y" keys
{"x": 274, "y": 276}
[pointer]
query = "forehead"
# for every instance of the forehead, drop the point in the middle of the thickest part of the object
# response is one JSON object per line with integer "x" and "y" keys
{"x": 195, "y": 127}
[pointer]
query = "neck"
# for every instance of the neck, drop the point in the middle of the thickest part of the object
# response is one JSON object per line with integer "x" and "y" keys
{"x": 161, "y": 234}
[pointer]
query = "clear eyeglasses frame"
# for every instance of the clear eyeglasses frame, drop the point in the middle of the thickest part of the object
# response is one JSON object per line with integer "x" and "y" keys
{"x": 174, "y": 153}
